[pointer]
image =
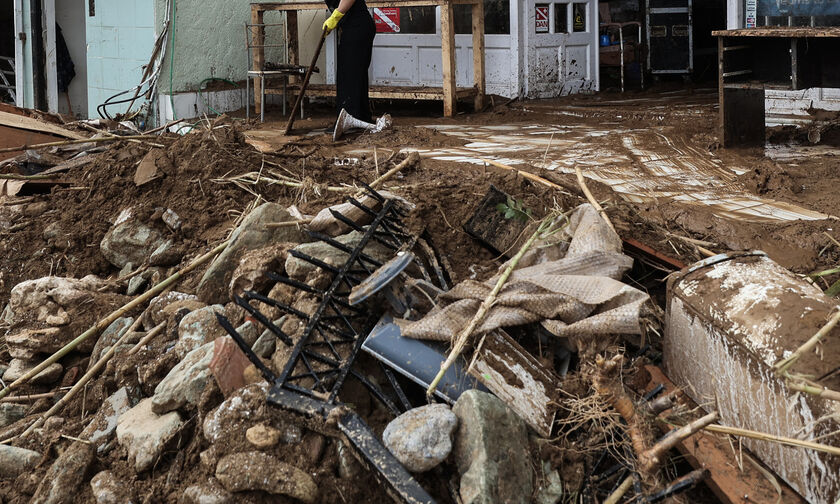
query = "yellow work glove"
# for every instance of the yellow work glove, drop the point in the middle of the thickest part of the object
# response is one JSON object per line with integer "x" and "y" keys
{"x": 332, "y": 21}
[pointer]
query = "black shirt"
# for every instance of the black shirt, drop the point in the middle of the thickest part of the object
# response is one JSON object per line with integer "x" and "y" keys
{"x": 357, "y": 15}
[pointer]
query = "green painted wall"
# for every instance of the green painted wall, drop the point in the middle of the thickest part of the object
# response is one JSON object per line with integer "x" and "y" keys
{"x": 210, "y": 41}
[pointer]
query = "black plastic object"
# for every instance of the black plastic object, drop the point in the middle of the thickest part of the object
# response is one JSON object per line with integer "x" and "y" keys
{"x": 419, "y": 360}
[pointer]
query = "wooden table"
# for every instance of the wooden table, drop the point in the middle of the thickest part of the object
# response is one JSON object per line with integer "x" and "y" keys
{"x": 752, "y": 60}
{"x": 448, "y": 92}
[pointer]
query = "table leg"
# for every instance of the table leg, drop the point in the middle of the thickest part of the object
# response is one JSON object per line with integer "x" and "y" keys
{"x": 447, "y": 43}
{"x": 258, "y": 38}
{"x": 478, "y": 54}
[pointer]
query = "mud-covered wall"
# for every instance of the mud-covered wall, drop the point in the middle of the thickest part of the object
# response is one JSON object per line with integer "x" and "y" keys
{"x": 210, "y": 41}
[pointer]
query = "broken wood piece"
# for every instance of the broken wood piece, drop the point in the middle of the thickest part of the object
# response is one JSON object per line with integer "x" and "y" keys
{"x": 517, "y": 378}
{"x": 616, "y": 496}
{"x": 102, "y": 324}
{"x": 413, "y": 157}
{"x": 491, "y": 227}
{"x": 147, "y": 338}
{"x": 591, "y": 198}
{"x": 528, "y": 175}
{"x": 269, "y": 141}
{"x": 652, "y": 458}
{"x": 75, "y": 142}
{"x": 33, "y": 397}
{"x": 31, "y": 124}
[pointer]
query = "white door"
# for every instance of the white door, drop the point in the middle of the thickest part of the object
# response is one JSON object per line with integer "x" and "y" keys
{"x": 561, "y": 47}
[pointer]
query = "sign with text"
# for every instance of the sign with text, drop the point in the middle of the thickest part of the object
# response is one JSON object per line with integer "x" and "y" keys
{"x": 798, "y": 7}
{"x": 750, "y": 13}
{"x": 541, "y": 12}
{"x": 387, "y": 19}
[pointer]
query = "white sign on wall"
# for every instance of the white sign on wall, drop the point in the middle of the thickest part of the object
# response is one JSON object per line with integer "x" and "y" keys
{"x": 750, "y": 13}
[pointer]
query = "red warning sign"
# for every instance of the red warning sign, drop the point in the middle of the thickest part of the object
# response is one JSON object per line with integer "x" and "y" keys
{"x": 541, "y": 12}
{"x": 387, "y": 19}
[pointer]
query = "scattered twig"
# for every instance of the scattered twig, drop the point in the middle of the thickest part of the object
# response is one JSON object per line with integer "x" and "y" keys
{"x": 772, "y": 438}
{"x": 102, "y": 324}
{"x": 412, "y": 158}
{"x": 528, "y": 175}
{"x": 288, "y": 223}
{"x": 620, "y": 491}
{"x": 591, "y": 198}
{"x": 812, "y": 389}
{"x": 831, "y": 238}
{"x": 651, "y": 458}
{"x": 32, "y": 397}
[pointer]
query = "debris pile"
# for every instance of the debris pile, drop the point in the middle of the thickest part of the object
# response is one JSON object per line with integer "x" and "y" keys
{"x": 228, "y": 325}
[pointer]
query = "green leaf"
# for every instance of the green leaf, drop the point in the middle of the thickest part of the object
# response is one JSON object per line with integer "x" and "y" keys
{"x": 833, "y": 290}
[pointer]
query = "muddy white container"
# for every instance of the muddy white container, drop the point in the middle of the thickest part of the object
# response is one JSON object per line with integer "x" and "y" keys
{"x": 729, "y": 319}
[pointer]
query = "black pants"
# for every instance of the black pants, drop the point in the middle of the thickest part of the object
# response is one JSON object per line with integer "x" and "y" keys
{"x": 355, "y": 45}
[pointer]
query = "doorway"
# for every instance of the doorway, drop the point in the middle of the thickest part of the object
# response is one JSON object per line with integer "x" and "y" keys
{"x": 7, "y": 52}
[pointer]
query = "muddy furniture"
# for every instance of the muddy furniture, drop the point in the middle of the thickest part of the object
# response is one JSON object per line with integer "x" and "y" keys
{"x": 752, "y": 60}
{"x": 448, "y": 93}
{"x": 729, "y": 320}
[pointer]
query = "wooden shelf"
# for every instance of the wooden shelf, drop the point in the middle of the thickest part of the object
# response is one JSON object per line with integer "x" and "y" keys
{"x": 782, "y": 32}
{"x": 383, "y": 92}
{"x": 757, "y": 85}
{"x": 299, "y": 6}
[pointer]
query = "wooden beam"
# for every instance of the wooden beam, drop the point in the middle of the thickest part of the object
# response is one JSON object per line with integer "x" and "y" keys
{"x": 30, "y": 124}
{"x": 259, "y": 52}
{"x": 299, "y": 6}
{"x": 447, "y": 45}
{"x": 729, "y": 482}
{"x": 292, "y": 48}
{"x": 478, "y": 54}
{"x": 386, "y": 92}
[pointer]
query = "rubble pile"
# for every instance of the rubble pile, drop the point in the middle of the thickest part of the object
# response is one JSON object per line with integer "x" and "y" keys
{"x": 324, "y": 342}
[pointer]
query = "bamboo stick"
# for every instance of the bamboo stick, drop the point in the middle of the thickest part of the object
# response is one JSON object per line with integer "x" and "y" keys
{"x": 816, "y": 390}
{"x": 528, "y": 175}
{"x": 785, "y": 364}
{"x": 32, "y": 397}
{"x": 591, "y": 198}
{"x": 463, "y": 336}
{"x": 651, "y": 458}
{"x": 87, "y": 377}
{"x": 288, "y": 223}
{"x": 620, "y": 491}
{"x": 102, "y": 324}
{"x": 762, "y": 436}
{"x": 147, "y": 338}
{"x": 74, "y": 142}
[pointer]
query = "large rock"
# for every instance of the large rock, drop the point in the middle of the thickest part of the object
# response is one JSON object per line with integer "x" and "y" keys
{"x": 108, "y": 489}
{"x": 211, "y": 492}
{"x": 60, "y": 303}
{"x": 235, "y": 413}
{"x": 11, "y": 413}
{"x": 185, "y": 382}
{"x": 101, "y": 429}
{"x": 129, "y": 240}
{"x": 252, "y": 272}
{"x": 491, "y": 451}
{"x": 145, "y": 434}
{"x": 61, "y": 483}
{"x": 299, "y": 269}
{"x": 14, "y": 461}
{"x": 164, "y": 305}
{"x": 241, "y": 472}
{"x": 198, "y": 328}
{"x": 421, "y": 438}
{"x": 19, "y": 367}
{"x": 251, "y": 234}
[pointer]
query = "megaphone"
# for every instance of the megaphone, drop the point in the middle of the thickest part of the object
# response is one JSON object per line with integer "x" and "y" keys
{"x": 346, "y": 122}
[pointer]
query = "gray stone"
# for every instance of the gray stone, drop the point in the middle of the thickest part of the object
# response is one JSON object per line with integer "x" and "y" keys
{"x": 107, "y": 489}
{"x": 234, "y": 412}
{"x": 109, "y": 336}
{"x": 299, "y": 269}
{"x": 198, "y": 328}
{"x": 14, "y": 461}
{"x": 52, "y": 231}
{"x": 421, "y": 438}
{"x": 167, "y": 303}
{"x": 11, "y": 413}
{"x": 211, "y": 492}
{"x": 491, "y": 451}
{"x": 3, "y": 369}
{"x": 249, "y": 332}
{"x": 135, "y": 285}
{"x": 241, "y": 472}
{"x": 19, "y": 367}
{"x": 267, "y": 342}
{"x": 28, "y": 343}
{"x": 171, "y": 219}
{"x": 61, "y": 483}
{"x": 101, "y": 429}
{"x": 550, "y": 490}
{"x": 185, "y": 382}
{"x": 145, "y": 434}
{"x": 251, "y": 234}
{"x": 129, "y": 240}
{"x": 165, "y": 255}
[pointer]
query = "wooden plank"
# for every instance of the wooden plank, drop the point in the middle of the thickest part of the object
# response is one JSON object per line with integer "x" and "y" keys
{"x": 478, "y": 54}
{"x": 30, "y": 124}
{"x": 729, "y": 482}
{"x": 385, "y": 92}
{"x": 782, "y": 32}
{"x": 293, "y": 50}
{"x": 447, "y": 45}
{"x": 258, "y": 39}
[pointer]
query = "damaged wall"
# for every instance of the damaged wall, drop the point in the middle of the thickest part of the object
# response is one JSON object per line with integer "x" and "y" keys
{"x": 210, "y": 42}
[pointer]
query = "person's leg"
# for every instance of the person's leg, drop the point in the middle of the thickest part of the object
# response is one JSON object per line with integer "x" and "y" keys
{"x": 354, "y": 54}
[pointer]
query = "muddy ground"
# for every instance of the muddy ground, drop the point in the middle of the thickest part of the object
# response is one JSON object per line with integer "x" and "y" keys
{"x": 198, "y": 182}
